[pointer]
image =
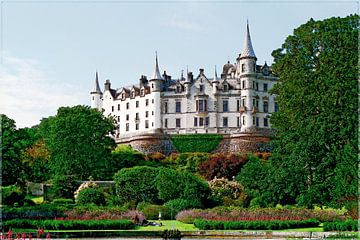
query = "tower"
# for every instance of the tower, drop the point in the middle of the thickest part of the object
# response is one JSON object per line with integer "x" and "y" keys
{"x": 96, "y": 94}
{"x": 156, "y": 82}
{"x": 215, "y": 82}
{"x": 245, "y": 72}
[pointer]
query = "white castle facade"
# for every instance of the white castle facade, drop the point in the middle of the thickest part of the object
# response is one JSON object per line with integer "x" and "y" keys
{"x": 236, "y": 102}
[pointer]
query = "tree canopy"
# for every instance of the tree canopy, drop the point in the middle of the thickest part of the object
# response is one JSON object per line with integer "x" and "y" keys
{"x": 316, "y": 145}
{"x": 78, "y": 141}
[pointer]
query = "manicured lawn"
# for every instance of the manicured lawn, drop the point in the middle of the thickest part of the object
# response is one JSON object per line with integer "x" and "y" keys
{"x": 36, "y": 199}
{"x": 169, "y": 224}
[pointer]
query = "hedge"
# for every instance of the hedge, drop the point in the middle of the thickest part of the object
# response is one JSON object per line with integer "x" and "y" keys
{"x": 69, "y": 224}
{"x": 254, "y": 225}
{"x": 196, "y": 142}
{"x": 349, "y": 225}
{"x": 41, "y": 211}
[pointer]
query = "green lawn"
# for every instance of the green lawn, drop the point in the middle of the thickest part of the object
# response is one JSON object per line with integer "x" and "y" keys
{"x": 36, "y": 199}
{"x": 169, "y": 224}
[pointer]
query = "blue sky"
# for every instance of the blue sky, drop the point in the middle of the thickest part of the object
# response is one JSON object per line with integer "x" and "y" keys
{"x": 52, "y": 49}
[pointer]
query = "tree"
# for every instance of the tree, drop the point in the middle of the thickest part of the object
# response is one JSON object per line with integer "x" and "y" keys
{"x": 78, "y": 141}
{"x": 318, "y": 119}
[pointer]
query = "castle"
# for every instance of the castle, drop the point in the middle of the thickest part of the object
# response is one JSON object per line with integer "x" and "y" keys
{"x": 237, "y": 104}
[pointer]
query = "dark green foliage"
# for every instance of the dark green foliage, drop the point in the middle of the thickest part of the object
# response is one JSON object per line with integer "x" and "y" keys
{"x": 78, "y": 141}
{"x": 151, "y": 211}
{"x": 196, "y": 142}
{"x": 136, "y": 184}
{"x": 69, "y": 224}
{"x": 41, "y": 211}
{"x": 91, "y": 195}
{"x": 168, "y": 184}
{"x": 179, "y": 204}
{"x": 64, "y": 186}
{"x": 62, "y": 201}
{"x": 349, "y": 225}
{"x": 187, "y": 161}
{"x": 315, "y": 156}
{"x": 254, "y": 225}
{"x": 123, "y": 156}
{"x": 11, "y": 195}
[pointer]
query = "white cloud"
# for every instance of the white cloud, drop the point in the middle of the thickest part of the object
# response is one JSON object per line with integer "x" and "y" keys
{"x": 27, "y": 93}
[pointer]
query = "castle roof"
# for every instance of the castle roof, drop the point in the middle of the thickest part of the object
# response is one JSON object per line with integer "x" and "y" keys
{"x": 248, "y": 50}
{"x": 156, "y": 74}
{"x": 96, "y": 87}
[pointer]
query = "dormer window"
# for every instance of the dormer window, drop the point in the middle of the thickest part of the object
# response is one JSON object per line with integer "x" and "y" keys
{"x": 226, "y": 87}
{"x": 178, "y": 89}
{"x": 202, "y": 88}
{"x": 133, "y": 94}
{"x": 123, "y": 96}
{"x": 142, "y": 92}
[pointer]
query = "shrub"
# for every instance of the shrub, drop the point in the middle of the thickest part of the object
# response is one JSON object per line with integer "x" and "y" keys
{"x": 196, "y": 142}
{"x": 124, "y": 156}
{"x": 69, "y": 224}
{"x": 136, "y": 184}
{"x": 227, "y": 193}
{"x": 62, "y": 201}
{"x": 64, "y": 186}
{"x": 40, "y": 211}
{"x": 254, "y": 225}
{"x": 169, "y": 184}
{"x": 93, "y": 212}
{"x": 84, "y": 185}
{"x": 151, "y": 211}
{"x": 91, "y": 195}
{"x": 155, "y": 156}
{"x": 11, "y": 195}
{"x": 188, "y": 161}
{"x": 29, "y": 202}
{"x": 222, "y": 166}
{"x": 349, "y": 225}
{"x": 180, "y": 204}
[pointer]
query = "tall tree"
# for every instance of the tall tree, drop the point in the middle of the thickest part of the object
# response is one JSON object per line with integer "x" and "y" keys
{"x": 78, "y": 141}
{"x": 317, "y": 125}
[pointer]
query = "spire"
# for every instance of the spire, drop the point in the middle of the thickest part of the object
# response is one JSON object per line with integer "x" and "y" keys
{"x": 248, "y": 50}
{"x": 216, "y": 77}
{"x": 96, "y": 87}
{"x": 156, "y": 74}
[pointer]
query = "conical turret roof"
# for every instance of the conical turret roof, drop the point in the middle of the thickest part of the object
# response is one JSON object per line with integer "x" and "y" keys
{"x": 96, "y": 87}
{"x": 248, "y": 50}
{"x": 156, "y": 74}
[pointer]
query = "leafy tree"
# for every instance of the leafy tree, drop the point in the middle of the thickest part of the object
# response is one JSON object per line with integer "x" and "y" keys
{"x": 168, "y": 184}
{"x": 318, "y": 119}
{"x": 78, "y": 141}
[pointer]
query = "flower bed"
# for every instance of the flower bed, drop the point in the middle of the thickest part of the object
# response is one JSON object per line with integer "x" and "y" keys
{"x": 271, "y": 214}
{"x": 69, "y": 224}
{"x": 254, "y": 225}
{"x": 349, "y": 225}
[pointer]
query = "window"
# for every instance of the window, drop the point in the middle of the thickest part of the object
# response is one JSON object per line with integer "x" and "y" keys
{"x": 137, "y": 104}
{"x": 225, "y": 122}
{"x": 166, "y": 123}
{"x": 118, "y": 107}
{"x": 238, "y": 105}
{"x": 127, "y": 127}
{"x": 243, "y": 121}
{"x": 146, "y": 123}
{"x": 253, "y": 83}
{"x": 243, "y": 68}
{"x": 178, "y": 122}
{"x": 266, "y": 122}
{"x": 165, "y": 107}
{"x": 257, "y": 121}
{"x": 127, "y": 105}
{"x": 178, "y": 89}
{"x": 207, "y": 121}
{"x": 127, "y": 117}
{"x": 147, "y": 114}
{"x": 137, "y": 126}
{"x": 133, "y": 94}
{"x": 225, "y": 105}
{"x": 195, "y": 122}
{"x": 178, "y": 107}
{"x": 265, "y": 87}
{"x": 256, "y": 103}
{"x": 152, "y": 113}
{"x": 253, "y": 120}
{"x": 266, "y": 106}
{"x": 201, "y": 122}
{"x": 118, "y": 119}
{"x": 112, "y": 108}
{"x": 243, "y": 84}
{"x": 147, "y": 102}
{"x": 201, "y": 105}
{"x": 152, "y": 100}
{"x": 123, "y": 96}
{"x": 238, "y": 121}
{"x": 243, "y": 102}
{"x": 201, "y": 88}
{"x": 137, "y": 116}
{"x": 152, "y": 86}
{"x": 93, "y": 98}
{"x": 226, "y": 87}
{"x": 257, "y": 86}
{"x": 142, "y": 92}
{"x": 276, "y": 107}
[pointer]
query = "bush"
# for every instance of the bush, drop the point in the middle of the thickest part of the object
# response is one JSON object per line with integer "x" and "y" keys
{"x": 168, "y": 184}
{"x": 11, "y": 195}
{"x": 62, "y": 201}
{"x": 69, "y": 224}
{"x": 64, "y": 186}
{"x": 41, "y": 211}
{"x": 222, "y": 166}
{"x": 227, "y": 193}
{"x": 349, "y": 225}
{"x": 196, "y": 142}
{"x": 151, "y": 211}
{"x": 136, "y": 184}
{"x": 91, "y": 195}
{"x": 254, "y": 225}
{"x": 124, "y": 156}
{"x": 180, "y": 204}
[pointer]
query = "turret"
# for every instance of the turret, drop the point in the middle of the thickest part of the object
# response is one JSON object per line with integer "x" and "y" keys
{"x": 246, "y": 62}
{"x": 215, "y": 82}
{"x": 188, "y": 81}
{"x": 96, "y": 94}
{"x": 156, "y": 79}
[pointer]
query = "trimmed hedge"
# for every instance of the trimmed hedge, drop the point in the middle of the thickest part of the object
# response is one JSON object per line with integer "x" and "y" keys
{"x": 349, "y": 225}
{"x": 196, "y": 142}
{"x": 69, "y": 224}
{"x": 41, "y": 211}
{"x": 254, "y": 225}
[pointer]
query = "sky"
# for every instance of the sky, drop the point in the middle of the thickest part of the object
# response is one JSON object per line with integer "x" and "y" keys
{"x": 51, "y": 50}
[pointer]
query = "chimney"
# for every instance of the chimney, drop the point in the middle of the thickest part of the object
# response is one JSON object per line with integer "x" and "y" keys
{"x": 107, "y": 85}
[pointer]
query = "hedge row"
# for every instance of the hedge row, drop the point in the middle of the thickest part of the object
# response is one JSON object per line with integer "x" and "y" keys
{"x": 69, "y": 224}
{"x": 349, "y": 225}
{"x": 41, "y": 211}
{"x": 196, "y": 142}
{"x": 254, "y": 225}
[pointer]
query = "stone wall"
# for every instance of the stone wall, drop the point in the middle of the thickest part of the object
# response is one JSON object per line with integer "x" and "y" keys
{"x": 242, "y": 142}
